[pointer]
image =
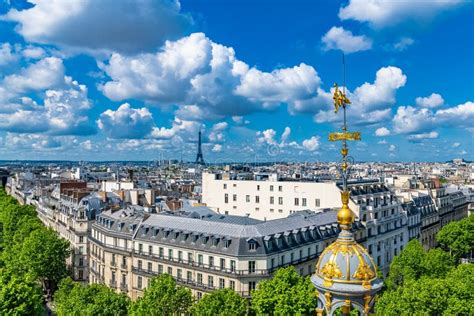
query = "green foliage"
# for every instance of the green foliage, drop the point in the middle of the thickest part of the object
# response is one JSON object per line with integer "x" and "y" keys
{"x": 19, "y": 295}
{"x": 163, "y": 297}
{"x": 223, "y": 302}
{"x": 458, "y": 237}
{"x": 427, "y": 282}
{"x": 74, "y": 299}
{"x": 453, "y": 295}
{"x": 414, "y": 262}
{"x": 45, "y": 254}
{"x": 287, "y": 293}
{"x": 29, "y": 254}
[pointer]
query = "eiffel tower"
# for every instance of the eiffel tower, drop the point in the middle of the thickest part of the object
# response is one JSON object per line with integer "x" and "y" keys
{"x": 199, "y": 158}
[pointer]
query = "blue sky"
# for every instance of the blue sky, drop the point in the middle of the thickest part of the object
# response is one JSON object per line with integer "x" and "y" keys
{"x": 89, "y": 80}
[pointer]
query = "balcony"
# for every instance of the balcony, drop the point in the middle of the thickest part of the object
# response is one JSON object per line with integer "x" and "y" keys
{"x": 222, "y": 271}
{"x": 124, "y": 287}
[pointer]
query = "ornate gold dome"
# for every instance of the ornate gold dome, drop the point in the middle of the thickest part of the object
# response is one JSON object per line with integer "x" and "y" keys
{"x": 346, "y": 262}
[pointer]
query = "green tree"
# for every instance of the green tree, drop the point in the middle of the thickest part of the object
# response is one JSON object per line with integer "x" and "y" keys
{"x": 437, "y": 263}
{"x": 223, "y": 302}
{"x": 452, "y": 295}
{"x": 287, "y": 293}
{"x": 19, "y": 295}
{"x": 73, "y": 299}
{"x": 458, "y": 237}
{"x": 163, "y": 298}
{"x": 409, "y": 265}
{"x": 44, "y": 253}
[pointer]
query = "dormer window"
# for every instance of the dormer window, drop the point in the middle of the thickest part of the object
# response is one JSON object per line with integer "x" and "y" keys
{"x": 227, "y": 243}
{"x": 215, "y": 241}
{"x": 176, "y": 235}
{"x": 252, "y": 246}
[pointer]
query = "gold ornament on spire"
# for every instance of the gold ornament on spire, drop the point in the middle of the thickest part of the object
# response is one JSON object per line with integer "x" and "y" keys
{"x": 340, "y": 99}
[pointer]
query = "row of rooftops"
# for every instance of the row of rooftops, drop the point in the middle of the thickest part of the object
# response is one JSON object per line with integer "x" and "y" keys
{"x": 230, "y": 234}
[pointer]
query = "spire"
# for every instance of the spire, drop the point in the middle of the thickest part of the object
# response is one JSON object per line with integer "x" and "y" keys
{"x": 199, "y": 157}
{"x": 345, "y": 274}
{"x": 345, "y": 217}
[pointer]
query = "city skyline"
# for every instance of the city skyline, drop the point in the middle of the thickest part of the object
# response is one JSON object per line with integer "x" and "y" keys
{"x": 94, "y": 82}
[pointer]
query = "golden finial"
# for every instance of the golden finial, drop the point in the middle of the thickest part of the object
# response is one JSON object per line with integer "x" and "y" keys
{"x": 345, "y": 217}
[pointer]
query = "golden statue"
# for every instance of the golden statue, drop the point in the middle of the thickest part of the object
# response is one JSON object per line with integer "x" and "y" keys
{"x": 340, "y": 98}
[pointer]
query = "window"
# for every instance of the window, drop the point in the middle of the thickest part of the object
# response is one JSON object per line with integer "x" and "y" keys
{"x": 257, "y": 199}
{"x": 292, "y": 257}
{"x": 280, "y": 211}
{"x": 370, "y": 249}
{"x": 200, "y": 260}
{"x": 225, "y": 186}
{"x": 222, "y": 264}
{"x": 297, "y": 201}
{"x": 179, "y": 274}
{"x": 301, "y": 253}
{"x": 227, "y": 243}
{"x": 271, "y": 188}
{"x": 81, "y": 249}
{"x": 234, "y": 197}
{"x": 221, "y": 283}
{"x": 170, "y": 270}
{"x": 210, "y": 281}
{"x": 317, "y": 202}
{"x": 226, "y": 198}
{"x": 258, "y": 187}
{"x": 232, "y": 265}
{"x": 150, "y": 267}
{"x": 283, "y": 259}
{"x": 180, "y": 256}
{"x": 81, "y": 262}
{"x": 272, "y": 263}
{"x": 310, "y": 269}
{"x": 247, "y": 198}
{"x": 190, "y": 257}
{"x": 370, "y": 232}
{"x": 161, "y": 252}
{"x": 211, "y": 261}
{"x": 139, "y": 264}
{"x": 272, "y": 200}
{"x": 251, "y": 266}
{"x": 189, "y": 276}
{"x": 124, "y": 279}
{"x": 148, "y": 282}
{"x": 376, "y": 215}
{"x": 140, "y": 248}
{"x": 280, "y": 188}
{"x": 124, "y": 261}
{"x": 160, "y": 269}
{"x": 272, "y": 210}
{"x": 252, "y": 285}
{"x": 81, "y": 274}
{"x": 81, "y": 239}
{"x": 252, "y": 246}
{"x": 139, "y": 282}
{"x": 170, "y": 254}
{"x": 378, "y": 260}
{"x": 232, "y": 284}
{"x": 199, "y": 278}
{"x": 303, "y": 201}
{"x": 280, "y": 200}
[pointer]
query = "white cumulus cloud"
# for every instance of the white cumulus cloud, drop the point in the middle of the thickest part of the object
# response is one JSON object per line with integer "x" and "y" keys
{"x": 340, "y": 39}
{"x": 382, "y": 131}
{"x": 432, "y": 101}
{"x": 381, "y": 13}
{"x": 311, "y": 143}
{"x": 86, "y": 25}
{"x": 126, "y": 122}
